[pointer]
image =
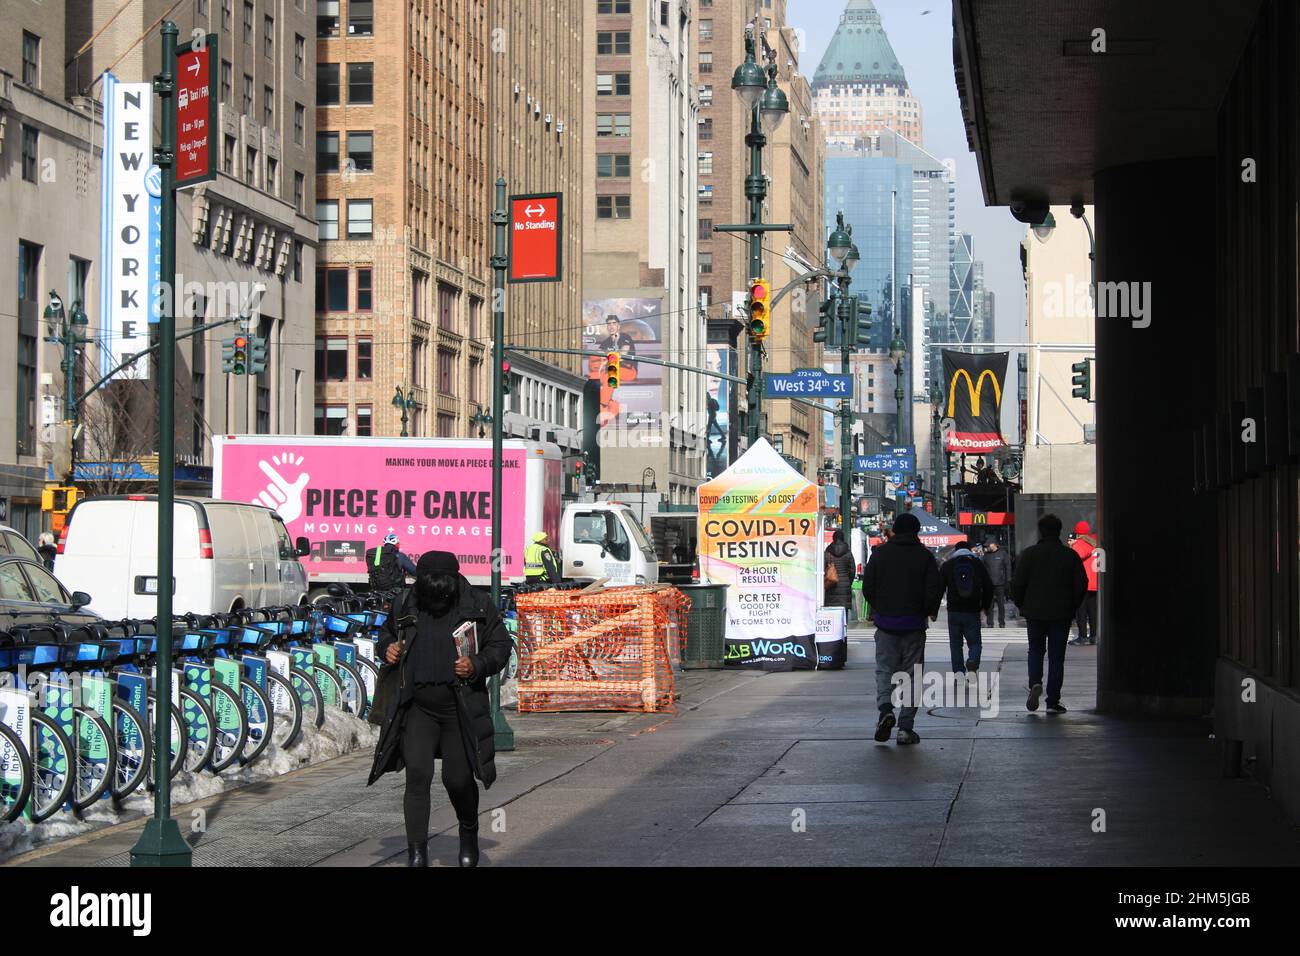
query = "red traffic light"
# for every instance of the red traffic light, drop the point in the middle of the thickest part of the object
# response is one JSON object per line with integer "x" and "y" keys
{"x": 241, "y": 342}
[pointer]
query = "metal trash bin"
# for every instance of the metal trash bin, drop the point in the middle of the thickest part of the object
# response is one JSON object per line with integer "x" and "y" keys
{"x": 706, "y": 625}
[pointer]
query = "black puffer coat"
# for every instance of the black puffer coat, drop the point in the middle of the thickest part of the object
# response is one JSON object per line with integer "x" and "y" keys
{"x": 472, "y": 705}
{"x": 841, "y": 593}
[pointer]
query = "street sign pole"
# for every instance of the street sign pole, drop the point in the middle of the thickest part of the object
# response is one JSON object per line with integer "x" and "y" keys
{"x": 161, "y": 843}
{"x": 503, "y": 734}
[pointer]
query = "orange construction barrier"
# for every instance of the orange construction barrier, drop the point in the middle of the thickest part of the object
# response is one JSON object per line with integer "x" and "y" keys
{"x": 599, "y": 648}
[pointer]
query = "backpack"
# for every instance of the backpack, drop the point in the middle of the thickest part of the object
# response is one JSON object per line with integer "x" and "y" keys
{"x": 963, "y": 579}
{"x": 383, "y": 570}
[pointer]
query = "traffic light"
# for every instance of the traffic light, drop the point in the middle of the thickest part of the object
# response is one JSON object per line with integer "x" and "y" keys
{"x": 613, "y": 369}
{"x": 257, "y": 355}
{"x": 1082, "y": 380}
{"x": 240, "y": 361}
{"x": 505, "y": 378}
{"x": 860, "y": 324}
{"x": 825, "y": 318}
{"x": 760, "y": 308}
{"x": 228, "y": 355}
{"x": 59, "y": 500}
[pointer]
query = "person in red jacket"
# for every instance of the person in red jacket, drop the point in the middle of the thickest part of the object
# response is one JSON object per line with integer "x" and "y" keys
{"x": 1084, "y": 544}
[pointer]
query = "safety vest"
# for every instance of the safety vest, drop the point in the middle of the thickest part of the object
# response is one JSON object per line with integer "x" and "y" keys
{"x": 533, "y": 566}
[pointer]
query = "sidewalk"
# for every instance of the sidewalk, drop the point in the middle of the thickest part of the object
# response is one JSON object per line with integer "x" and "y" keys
{"x": 780, "y": 769}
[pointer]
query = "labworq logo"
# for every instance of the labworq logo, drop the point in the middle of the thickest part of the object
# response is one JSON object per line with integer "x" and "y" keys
{"x": 75, "y": 909}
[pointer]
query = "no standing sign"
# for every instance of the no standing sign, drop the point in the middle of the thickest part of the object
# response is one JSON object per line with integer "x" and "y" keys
{"x": 536, "y": 221}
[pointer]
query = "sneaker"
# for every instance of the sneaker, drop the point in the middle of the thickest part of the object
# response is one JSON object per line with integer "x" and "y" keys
{"x": 1035, "y": 692}
{"x": 1076, "y": 641}
{"x": 885, "y": 725}
{"x": 907, "y": 737}
{"x": 972, "y": 667}
{"x": 1056, "y": 708}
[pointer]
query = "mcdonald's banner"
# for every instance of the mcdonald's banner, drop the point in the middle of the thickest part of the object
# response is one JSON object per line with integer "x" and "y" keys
{"x": 974, "y": 385}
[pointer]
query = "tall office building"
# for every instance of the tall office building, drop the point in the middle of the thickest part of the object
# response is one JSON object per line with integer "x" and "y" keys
{"x": 860, "y": 86}
{"x": 639, "y": 262}
{"x": 250, "y": 228}
{"x": 403, "y": 285}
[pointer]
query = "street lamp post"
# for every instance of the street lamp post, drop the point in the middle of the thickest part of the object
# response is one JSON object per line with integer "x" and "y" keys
{"x": 844, "y": 251}
{"x": 404, "y": 403}
{"x": 646, "y": 472}
{"x": 898, "y": 351}
{"x": 483, "y": 420}
{"x": 936, "y": 442}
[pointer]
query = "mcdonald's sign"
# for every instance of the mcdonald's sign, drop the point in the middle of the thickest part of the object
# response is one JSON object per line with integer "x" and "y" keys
{"x": 976, "y": 414}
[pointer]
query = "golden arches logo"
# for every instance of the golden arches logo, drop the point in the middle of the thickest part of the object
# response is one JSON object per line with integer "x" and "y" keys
{"x": 973, "y": 389}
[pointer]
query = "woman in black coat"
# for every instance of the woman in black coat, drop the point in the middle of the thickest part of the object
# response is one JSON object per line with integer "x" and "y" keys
{"x": 840, "y": 594}
{"x": 435, "y": 703}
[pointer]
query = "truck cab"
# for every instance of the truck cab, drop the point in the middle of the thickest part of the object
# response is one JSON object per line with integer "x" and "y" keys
{"x": 604, "y": 539}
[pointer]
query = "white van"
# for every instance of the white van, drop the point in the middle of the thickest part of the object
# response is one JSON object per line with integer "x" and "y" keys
{"x": 604, "y": 539}
{"x": 226, "y": 555}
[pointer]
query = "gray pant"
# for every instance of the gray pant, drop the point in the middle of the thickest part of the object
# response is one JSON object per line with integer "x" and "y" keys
{"x": 895, "y": 653}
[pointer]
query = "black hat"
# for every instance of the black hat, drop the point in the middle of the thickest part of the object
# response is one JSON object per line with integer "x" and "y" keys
{"x": 907, "y": 523}
{"x": 437, "y": 562}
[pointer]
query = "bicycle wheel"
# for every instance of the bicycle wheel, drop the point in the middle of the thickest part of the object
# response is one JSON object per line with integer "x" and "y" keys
{"x": 261, "y": 721}
{"x": 313, "y": 706}
{"x": 200, "y": 727}
{"x": 369, "y": 672}
{"x": 330, "y": 687}
{"x": 96, "y": 756}
{"x": 134, "y": 749}
{"x": 229, "y": 727}
{"x": 178, "y": 742}
{"x": 287, "y": 708}
{"x": 52, "y": 767}
{"x": 15, "y": 775}
{"x": 354, "y": 689}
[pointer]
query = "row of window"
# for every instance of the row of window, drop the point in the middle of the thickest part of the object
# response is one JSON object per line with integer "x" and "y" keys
{"x": 361, "y": 84}
{"x": 613, "y": 124}
{"x": 360, "y": 218}
{"x": 332, "y": 293}
{"x": 333, "y": 420}
{"x": 361, "y": 18}
{"x": 227, "y": 16}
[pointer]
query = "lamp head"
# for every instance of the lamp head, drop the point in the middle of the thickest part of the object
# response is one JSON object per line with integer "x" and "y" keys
{"x": 748, "y": 80}
{"x": 774, "y": 106}
{"x": 1044, "y": 229}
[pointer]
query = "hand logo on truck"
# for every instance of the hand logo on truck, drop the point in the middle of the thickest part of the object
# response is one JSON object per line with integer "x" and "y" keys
{"x": 280, "y": 495}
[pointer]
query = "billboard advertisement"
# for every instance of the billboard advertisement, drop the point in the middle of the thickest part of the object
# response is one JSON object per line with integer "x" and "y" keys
{"x": 974, "y": 384}
{"x": 719, "y": 401}
{"x": 633, "y": 328}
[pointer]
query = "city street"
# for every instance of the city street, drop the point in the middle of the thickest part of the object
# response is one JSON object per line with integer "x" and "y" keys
{"x": 748, "y": 756}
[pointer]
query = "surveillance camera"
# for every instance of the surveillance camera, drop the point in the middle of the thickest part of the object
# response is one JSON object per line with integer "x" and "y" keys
{"x": 1032, "y": 212}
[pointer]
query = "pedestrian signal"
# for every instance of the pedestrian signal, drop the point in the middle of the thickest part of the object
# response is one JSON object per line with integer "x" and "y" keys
{"x": 760, "y": 307}
{"x": 505, "y": 378}
{"x": 257, "y": 355}
{"x": 613, "y": 369}
{"x": 1082, "y": 380}
{"x": 228, "y": 355}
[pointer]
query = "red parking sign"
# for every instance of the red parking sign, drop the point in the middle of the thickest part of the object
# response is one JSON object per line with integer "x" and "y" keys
{"x": 196, "y": 112}
{"x": 535, "y": 249}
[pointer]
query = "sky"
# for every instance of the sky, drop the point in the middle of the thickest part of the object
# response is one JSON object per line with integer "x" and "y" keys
{"x": 923, "y": 42}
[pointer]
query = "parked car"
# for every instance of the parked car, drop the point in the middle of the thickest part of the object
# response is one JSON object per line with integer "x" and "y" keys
{"x": 12, "y": 542}
{"x": 28, "y": 593}
{"x": 226, "y": 555}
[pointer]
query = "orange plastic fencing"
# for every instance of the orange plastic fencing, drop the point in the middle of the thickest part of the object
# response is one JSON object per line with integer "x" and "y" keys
{"x": 607, "y": 649}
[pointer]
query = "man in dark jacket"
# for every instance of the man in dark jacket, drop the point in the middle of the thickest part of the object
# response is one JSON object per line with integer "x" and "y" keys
{"x": 901, "y": 583}
{"x": 1048, "y": 586}
{"x": 838, "y": 556}
{"x": 386, "y": 565}
{"x": 966, "y": 585}
{"x": 998, "y": 565}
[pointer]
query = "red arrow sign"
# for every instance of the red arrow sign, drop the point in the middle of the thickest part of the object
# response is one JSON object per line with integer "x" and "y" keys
{"x": 535, "y": 238}
{"x": 196, "y": 113}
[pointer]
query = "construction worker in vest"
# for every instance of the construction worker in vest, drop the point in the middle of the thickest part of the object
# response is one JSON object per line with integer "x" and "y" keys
{"x": 540, "y": 564}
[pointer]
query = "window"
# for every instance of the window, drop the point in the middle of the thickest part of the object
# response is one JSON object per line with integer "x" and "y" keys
{"x": 361, "y": 18}
{"x": 706, "y": 128}
{"x": 227, "y": 82}
{"x": 614, "y": 43}
{"x": 613, "y": 84}
{"x": 297, "y": 255}
{"x": 203, "y": 8}
{"x": 331, "y": 290}
{"x": 706, "y": 29}
{"x": 268, "y": 37}
{"x": 327, "y": 215}
{"x": 31, "y": 60}
{"x": 706, "y": 62}
{"x": 706, "y": 164}
{"x": 30, "y": 147}
{"x": 299, "y": 122}
{"x": 361, "y": 151}
{"x": 29, "y": 292}
{"x": 228, "y": 155}
{"x": 327, "y": 18}
{"x": 331, "y": 419}
{"x": 613, "y": 165}
{"x": 363, "y": 290}
{"x": 706, "y": 229}
{"x": 613, "y": 124}
{"x": 299, "y": 186}
{"x": 613, "y": 6}
{"x": 613, "y": 207}
{"x": 268, "y": 106}
{"x": 360, "y": 218}
{"x": 446, "y": 425}
{"x": 13, "y": 586}
{"x": 331, "y": 359}
{"x": 446, "y": 372}
{"x": 475, "y": 316}
{"x": 272, "y": 167}
{"x": 248, "y": 22}
{"x": 365, "y": 361}
{"x": 706, "y": 96}
{"x": 706, "y": 263}
{"x": 327, "y": 84}
{"x": 706, "y": 192}
{"x": 364, "y": 428}
{"x": 361, "y": 82}
{"x": 327, "y": 152}
{"x": 248, "y": 95}
{"x": 250, "y": 166}
{"x": 299, "y": 54}
{"x": 225, "y": 14}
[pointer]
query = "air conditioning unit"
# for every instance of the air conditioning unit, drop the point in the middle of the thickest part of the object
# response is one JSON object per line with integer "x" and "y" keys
{"x": 518, "y": 89}
{"x": 559, "y": 127}
{"x": 548, "y": 119}
{"x": 537, "y": 108}
{"x": 529, "y": 100}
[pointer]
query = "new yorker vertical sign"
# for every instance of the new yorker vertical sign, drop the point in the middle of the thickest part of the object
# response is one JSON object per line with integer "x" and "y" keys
{"x": 196, "y": 112}
{"x": 125, "y": 288}
{"x": 535, "y": 229}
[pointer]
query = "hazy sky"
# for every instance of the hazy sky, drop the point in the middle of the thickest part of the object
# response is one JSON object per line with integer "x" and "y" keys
{"x": 923, "y": 42}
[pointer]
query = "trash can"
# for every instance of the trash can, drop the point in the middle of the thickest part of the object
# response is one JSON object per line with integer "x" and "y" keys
{"x": 706, "y": 625}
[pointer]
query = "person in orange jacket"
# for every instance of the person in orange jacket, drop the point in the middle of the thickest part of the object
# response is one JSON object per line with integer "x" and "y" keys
{"x": 1084, "y": 544}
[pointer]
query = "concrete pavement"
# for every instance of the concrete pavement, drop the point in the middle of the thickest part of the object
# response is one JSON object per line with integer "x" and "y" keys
{"x": 781, "y": 769}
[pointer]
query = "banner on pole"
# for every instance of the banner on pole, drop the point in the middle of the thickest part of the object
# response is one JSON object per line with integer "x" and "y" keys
{"x": 974, "y": 383}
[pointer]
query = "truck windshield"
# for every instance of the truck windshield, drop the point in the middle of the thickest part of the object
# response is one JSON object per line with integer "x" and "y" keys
{"x": 638, "y": 533}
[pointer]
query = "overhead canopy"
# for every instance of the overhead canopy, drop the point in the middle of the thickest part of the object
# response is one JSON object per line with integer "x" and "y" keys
{"x": 934, "y": 533}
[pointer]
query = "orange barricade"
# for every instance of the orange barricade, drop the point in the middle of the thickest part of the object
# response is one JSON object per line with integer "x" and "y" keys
{"x": 600, "y": 649}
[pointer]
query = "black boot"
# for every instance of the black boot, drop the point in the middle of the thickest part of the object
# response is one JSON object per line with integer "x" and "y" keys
{"x": 469, "y": 845}
{"x": 417, "y": 854}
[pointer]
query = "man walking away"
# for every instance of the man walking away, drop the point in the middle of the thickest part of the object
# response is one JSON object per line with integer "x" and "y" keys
{"x": 966, "y": 584}
{"x": 1048, "y": 586}
{"x": 901, "y": 583}
{"x": 387, "y": 567}
{"x": 840, "y": 558}
{"x": 1084, "y": 544}
{"x": 540, "y": 564}
{"x": 998, "y": 565}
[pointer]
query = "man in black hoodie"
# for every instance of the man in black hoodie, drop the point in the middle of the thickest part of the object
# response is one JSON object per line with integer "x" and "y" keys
{"x": 1049, "y": 585}
{"x": 969, "y": 591}
{"x": 901, "y": 584}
